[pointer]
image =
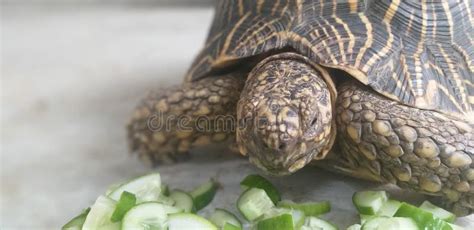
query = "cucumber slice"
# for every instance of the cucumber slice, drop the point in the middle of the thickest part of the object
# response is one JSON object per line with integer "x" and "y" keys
{"x": 145, "y": 188}
{"x": 253, "y": 203}
{"x": 166, "y": 200}
{"x": 438, "y": 212}
{"x": 77, "y": 222}
{"x": 389, "y": 208}
{"x": 455, "y": 227}
{"x": 396, "y": 223}
{"x": 148, "y": 215}
{"x": 281, "y": 222}
{"x": 100, "y": 213}
{"x": 257, "y": 181}
{"x": 365, "y": 218}
{"x": 113, "y": 226}
{"x": 314, "y": 222}
{"x": 126, "y": 202}
{"x": 298, "y": 218}
{"x": 228, "y": 226}
{"x": 354, "y": 227}
{"x": 390, "y": 223}
{"x": 181, "y": 221}
{"x": 310, "y": 228}
{"x": 369, "y": 202}
{"x": 182, "y": 200}
{"x": 203, "y": 194}
{"x": 309, "y": 208}
{"x": 424, "y": 219}
{"x": 221, "y": 217}
{"x": 373, "y": 222}
{"x": 112, "y": 188}
{"x": 297, "y": 215}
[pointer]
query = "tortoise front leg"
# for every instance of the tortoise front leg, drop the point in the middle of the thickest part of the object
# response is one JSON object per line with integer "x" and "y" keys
{"x": 417, "y": 149}
{"x": 169, "y": 122}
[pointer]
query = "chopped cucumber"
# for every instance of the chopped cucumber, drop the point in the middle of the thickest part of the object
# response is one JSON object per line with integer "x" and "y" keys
{"x": 113, "y": 226}
{"x": 165, "y": 200}
{"x": 281, "y": 222}
{"x": 369, "y": 202}
{"x": 297, "y": 215}
{"x": 424, "y": 219}
{"x": 389, "y": 208}
{"x": 309, "y": 208}
{"x": 298, "y": 218}
{"x": 257, "y": 181}
{"x": 390, "y": 223}
{"x": 228, "y": 226}
{"x": 310, "y": 228}
{"x": 314, "y": 222}
{"x": 455, "y": 227}
{"x": 373, "y": 222}
{"x": 112, "y": 188}
{"x": 181, "y": 221}
{"x": 77, "y": 222}
{"x": 144, "y": 203}
{"x": 145, "y": 188}
{"x": 148, "y": 215}
{"x": 354, "y": 227}
{"x": 253, "y": 203}
{"x": 396, "y": 223}
{"x": 165, "y": 190}
{"x": 365, "y": 218}
{"x": 182, "y": 200}
{"x": 438, "y": 212}
{"x": 100, "y": 214}
{"x": 221, "y": 217}
{"x": 126, "y": 202}
{"x": 203, "y": 194}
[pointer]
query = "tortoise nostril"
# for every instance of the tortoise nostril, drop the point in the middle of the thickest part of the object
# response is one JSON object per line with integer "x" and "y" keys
{"x": 281, "y": 146}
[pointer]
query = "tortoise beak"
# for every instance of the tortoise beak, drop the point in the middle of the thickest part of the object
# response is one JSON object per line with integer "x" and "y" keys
{"x": 279, "y": 163}
{"x": 272, "y": 170}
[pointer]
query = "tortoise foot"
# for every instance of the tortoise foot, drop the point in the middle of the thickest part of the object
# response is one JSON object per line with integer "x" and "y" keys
{"x": 169, "y": 122}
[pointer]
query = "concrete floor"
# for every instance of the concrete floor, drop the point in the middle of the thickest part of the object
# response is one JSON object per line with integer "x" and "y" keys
{"x": 70, "y": 78}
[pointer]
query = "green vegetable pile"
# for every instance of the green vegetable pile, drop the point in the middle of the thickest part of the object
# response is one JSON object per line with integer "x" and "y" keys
{"x": 145, "y": 203}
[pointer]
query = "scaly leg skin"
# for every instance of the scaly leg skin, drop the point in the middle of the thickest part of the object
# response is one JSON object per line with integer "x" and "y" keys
{"x": 421, "y": 150}
{"x": 169, "y": 122}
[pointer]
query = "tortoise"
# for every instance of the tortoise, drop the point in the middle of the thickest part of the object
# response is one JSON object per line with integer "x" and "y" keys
{"x": 379, "y": 90}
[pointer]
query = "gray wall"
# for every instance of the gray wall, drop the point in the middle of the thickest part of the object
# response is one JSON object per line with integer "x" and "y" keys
{"x": 121, "y": 2}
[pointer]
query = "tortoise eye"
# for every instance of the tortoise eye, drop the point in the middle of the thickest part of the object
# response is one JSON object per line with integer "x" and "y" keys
{"x": 262, "y": 122}
{"x": 313, "y": 122}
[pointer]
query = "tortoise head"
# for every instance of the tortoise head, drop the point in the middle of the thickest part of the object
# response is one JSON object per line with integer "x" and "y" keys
{"x": 285, "y": 114}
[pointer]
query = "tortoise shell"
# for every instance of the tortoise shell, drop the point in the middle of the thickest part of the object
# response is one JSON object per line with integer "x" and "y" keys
{"x": 416, "y": 52}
